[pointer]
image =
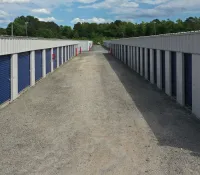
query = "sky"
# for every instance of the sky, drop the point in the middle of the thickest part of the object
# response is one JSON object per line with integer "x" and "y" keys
{"x": 69, "y": 12}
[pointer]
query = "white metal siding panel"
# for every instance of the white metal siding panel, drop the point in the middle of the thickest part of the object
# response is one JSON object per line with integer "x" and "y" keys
{"x": 151, "y": 66}
{"x": 180, "y": 78}
{"x": 141, "y": 61}
{"x": 182, "y": 42}
{"x": 146, "y": 63}
{"x": 16, "y": 45}
{"x": 85, "y": 45}
{"x": 168, "y": 73}
{"x": 195, "y": 85}
{"x": 159, "y": 75}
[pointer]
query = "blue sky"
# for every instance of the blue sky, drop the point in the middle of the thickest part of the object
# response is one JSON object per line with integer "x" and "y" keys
{"x": 69, "y": 12}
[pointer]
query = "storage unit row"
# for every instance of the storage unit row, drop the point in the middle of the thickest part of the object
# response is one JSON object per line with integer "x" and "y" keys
{"x": 21, "y": 70}
{"x": 174, "y": 72}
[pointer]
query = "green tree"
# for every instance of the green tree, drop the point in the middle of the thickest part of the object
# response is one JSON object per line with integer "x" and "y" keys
{"x": 66, "y": 31}
{"x": 99, "y": 32}
{"x": 3, "y": 31}
{"x": 75, "y": 34}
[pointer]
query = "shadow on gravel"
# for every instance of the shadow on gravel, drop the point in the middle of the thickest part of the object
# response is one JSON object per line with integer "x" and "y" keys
{"x": 171, "y": 124}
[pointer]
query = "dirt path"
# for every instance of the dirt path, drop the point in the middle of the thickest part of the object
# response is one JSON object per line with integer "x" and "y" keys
{"x": 95, "y": 116}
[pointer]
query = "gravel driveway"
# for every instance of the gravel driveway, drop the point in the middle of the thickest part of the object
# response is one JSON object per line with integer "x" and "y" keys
{"x": 94, "y": 116}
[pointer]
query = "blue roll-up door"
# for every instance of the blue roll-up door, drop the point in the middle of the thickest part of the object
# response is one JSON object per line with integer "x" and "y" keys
{"x": 136, "y": 59}
{"x": 133, "y": 63}
{"x": 69, "y": 52}
{"x": 143, "y": 61}
{"x": 38, "y": 65}
{"x": 163, "y": 68}
{"x": 48, "y": 61}
{"x": 139, "y": 59}
{"x": 114, "y": 50}
{"x": 73, "y": 51}
{"x": 148, "y": 63}
{"x": 188, "y": 79}
{"x": 122, "y": 53}
{"x": 131, "y": 57}
{"x": 173, "y": 73}
{"x": 64, "y": 56}
{"x": 126, "y": 55}
{"x": 155, "y": 66}
{"x": 119, "y": 52}
{"x": 55, "y": 58}
{"x": 60, "y": 55}
{"x": 5, "y": 71}
{"x": 23, "y": 71}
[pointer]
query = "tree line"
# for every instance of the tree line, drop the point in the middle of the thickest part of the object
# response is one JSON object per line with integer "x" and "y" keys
{"x": 98, "y": 32}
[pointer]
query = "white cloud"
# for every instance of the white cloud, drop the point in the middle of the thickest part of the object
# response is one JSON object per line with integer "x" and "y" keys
{"x": 130, "y": 9}
{"x": 86, "y": 1}
{"x": 185, "y": 5}
{"x": 28, "y": 7}
{"x": 123, "y": 9}
{"x": 48, "y": 19}
{"x": 92, "y": 20}
{"x": 153, "y": 2}
{"x": 44, "y": 11}
{"x": 107, "y": 4}
{"x": 3, "y": 14}
{"x": 14, "y": 1}
{"x": 57, "y": 3}
{"x": 4, "y": 18}
{"x": 168, "y": 8}
{"x": 4, "y": 21}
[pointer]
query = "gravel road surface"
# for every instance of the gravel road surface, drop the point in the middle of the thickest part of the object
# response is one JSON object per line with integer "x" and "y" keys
{"x": 95, "y": 116}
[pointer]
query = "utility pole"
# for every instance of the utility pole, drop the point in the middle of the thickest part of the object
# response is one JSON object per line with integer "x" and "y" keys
{"x": 12, "y": 29}
{"x": 26, "y": 24}
{"x": 154, "y": 27}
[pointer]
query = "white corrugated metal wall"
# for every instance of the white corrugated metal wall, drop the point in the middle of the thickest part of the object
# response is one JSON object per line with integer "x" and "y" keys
{"x": 85, "y": 45}
{"x": 10, "y": 45}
